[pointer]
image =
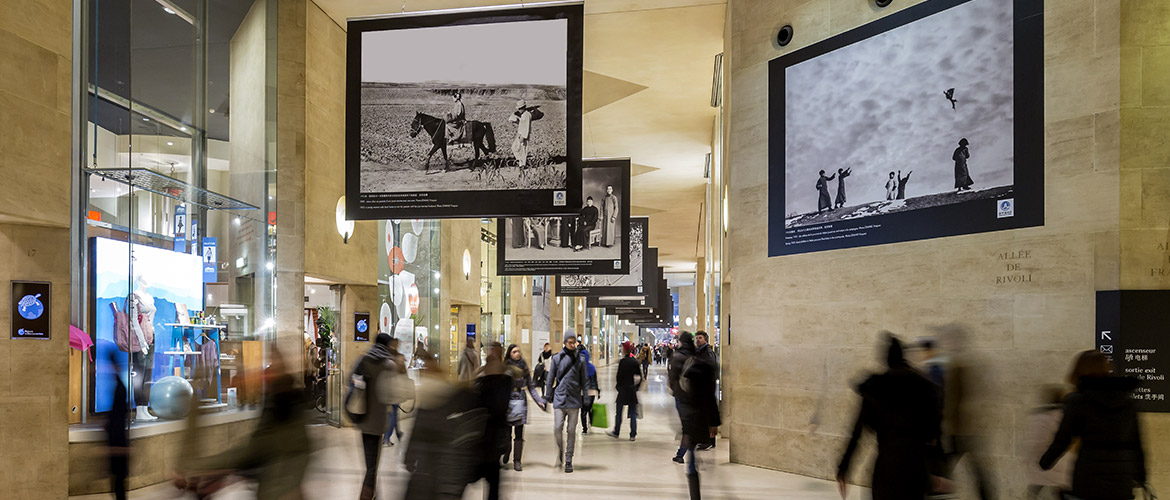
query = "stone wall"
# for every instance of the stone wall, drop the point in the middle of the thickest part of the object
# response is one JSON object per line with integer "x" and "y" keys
{"x": 35, "y": 145}
{"x": 808, "y": 332}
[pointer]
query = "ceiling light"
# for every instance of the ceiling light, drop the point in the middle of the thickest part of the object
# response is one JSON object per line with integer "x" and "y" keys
{"x": 182, "y": 129}
{"x": 240, "y": 262}
{"x": 169, "y": 143}
{"x": 168, "y": 10}
{"x": 145, "y": 119}
{"x": 312, "y": 291}
{"x": 211, "y": 110}
{"x": 236, "y": 221}
{"x": 269, "y": 265}
{"x": 436, "y": 291}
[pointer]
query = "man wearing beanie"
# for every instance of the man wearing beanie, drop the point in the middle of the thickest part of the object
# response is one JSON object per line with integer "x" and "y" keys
{"x": 565, "y": 384}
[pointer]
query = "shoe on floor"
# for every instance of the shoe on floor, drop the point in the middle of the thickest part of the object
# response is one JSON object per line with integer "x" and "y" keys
{"x": 517, "y": 467}
{"x": 585, "y": 430}
{"x": 631, "y": 438}
{"x": 568, "y": 466}
{"x": 611, "y": 434}
{"x": 678, "y": 460}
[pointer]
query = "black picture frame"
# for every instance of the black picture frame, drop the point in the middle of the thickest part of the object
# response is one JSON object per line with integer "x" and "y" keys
{"x": 648, "y": 266}
{"x": 32, "y": 310}
{"x": 439, "y": 204}
{"x": 508, "y": 230}
{"x": 1026, "y": 198}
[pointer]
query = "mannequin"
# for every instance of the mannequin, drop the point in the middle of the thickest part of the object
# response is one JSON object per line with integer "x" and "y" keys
{"x": 142, "y": 312}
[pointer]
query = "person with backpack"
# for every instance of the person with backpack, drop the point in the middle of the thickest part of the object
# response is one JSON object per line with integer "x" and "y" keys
{"x": 518, "y": 402}
{"x": 366, "y": 405}
{"x": 698, "y": 409}
{"x": 566, "y": 384}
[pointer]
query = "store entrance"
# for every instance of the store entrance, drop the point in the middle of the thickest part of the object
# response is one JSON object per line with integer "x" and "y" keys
{"x": 322, "y": 371}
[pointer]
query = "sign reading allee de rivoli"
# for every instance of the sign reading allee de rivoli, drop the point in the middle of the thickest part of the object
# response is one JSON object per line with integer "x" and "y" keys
{"x": 31, "y": 316}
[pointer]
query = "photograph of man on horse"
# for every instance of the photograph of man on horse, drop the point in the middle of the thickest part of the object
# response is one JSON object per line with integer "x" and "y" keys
{"x": 453, "y": 129}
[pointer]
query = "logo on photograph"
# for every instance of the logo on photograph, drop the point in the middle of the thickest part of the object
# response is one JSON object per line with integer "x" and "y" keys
{"x": 1006, "y": 208}
{"x": 617, "y": 264}
{"x": 30, "y": 307}
{"x": 559, "y": 198}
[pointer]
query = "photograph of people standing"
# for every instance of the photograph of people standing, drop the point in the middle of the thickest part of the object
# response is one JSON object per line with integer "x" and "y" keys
{"x": 593, "y": 241}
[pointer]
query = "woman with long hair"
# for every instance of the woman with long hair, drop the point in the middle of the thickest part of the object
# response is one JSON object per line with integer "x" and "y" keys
{"x": 518, "y": 403}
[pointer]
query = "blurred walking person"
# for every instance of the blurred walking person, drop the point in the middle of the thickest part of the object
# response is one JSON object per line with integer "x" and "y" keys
{"x": 678, "y": 360}
{"x": 117, "y": 430}
{"x": 372, "y": 373}
{"x": 468, "y": 361}
{"x": 1101, "y": 413}
{"x": 1042, "y": 424}
{"x": 628, "y": 380}
{"x": 961, "y": 410}
{"x": 518, "y": 403}
{"x": 703, "y": 351}
{"x": 901, "y": 407}
{"x": 400, "y": 368}
{"x": 566, "y": 383}
{"x": 592, "y": 391}
{"x": 495, "y": 389}
{"x": 644, "y": 359}
{"x": 446, "y": 443}
{"x": 698, "y": 410}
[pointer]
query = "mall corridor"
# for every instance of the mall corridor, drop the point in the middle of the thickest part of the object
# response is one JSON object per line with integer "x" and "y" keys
{"x": 605, "y": 468}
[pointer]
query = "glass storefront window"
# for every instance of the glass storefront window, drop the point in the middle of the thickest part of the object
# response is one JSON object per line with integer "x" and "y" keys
{"x": 409, "y": 282}
{"x": 180, "y": 218}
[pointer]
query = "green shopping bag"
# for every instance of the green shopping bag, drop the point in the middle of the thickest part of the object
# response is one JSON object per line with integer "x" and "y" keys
{"x": 600, "y": 416}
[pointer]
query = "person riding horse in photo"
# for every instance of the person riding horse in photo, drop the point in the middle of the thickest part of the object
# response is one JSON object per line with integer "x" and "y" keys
{"x": 456, "y": 117}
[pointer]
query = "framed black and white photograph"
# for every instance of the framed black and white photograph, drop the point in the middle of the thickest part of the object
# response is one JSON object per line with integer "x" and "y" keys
{"x": 645, "y": 265}
{"x": 473, "y": 113}
{"x": 594, "y": 241}
{"x": 926, "y": 123}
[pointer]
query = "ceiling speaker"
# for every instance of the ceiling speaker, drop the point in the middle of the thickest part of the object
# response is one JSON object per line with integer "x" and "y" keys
{"x": 883, "y": 3}
{"x": 784, "y": 37}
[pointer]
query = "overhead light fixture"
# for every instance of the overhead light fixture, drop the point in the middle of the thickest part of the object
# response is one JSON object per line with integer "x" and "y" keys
{"x": 211, "y": 110}
{"x": 169, "y": 143}
{"x": 269, "y": 265}
{"x": 240, "y": 262}
{"x": 145, "y": 119}
{"x": 182, "y": 129}
{"x": 236, "y": 221}
{"x": 168, "y": 10}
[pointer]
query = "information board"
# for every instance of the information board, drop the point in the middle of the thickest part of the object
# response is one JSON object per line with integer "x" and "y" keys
{"x": 1133, "y": 330}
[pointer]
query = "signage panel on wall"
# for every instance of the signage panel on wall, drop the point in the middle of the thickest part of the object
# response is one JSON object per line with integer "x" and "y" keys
{"x": 624, "y": 284}
{"x": 474, "y": 113}
{"x": 210, "y": 259}
{"x": 31, "y": 314}
{"x": 923, "y": 124}
{"x": 594, "y": 241}
{"x": 1133, "y": 330}
{"x": 361, "y": 327}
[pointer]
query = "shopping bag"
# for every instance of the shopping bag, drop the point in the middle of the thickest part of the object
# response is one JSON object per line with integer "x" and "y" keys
{"x": 600, "y": 416}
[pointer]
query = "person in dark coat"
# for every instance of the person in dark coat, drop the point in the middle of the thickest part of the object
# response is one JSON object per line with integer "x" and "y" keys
{"x": 963, "y": 180}
{"x": 586, "y": 223}
{"x": 443, "y": 453}
{"x": 117, "y": 432}
{"x": 686, "y": 349}
{"x": 518, "y": 403}
{"x": 902, "y": 408}
{"x": 495, "y": 388}
{"x": 825, "y": 201}
{"x": 1111, "y": 461}
{"x": 629, "y": 377}
{"x": 841, "y": 175}
{"x": 369, "y": 370}
{"x": 592, "y": 390}
{"x": 699, "y": 411}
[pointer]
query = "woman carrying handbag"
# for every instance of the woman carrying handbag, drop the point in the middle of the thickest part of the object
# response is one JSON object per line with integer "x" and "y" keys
{"x": 518, "y": 402}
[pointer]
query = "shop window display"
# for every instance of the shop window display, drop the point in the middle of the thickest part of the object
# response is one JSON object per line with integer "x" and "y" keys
{"x": 178, "y": 224}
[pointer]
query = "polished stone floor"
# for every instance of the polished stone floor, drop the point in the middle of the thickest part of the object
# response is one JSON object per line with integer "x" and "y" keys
{"x": 605, "y": 468}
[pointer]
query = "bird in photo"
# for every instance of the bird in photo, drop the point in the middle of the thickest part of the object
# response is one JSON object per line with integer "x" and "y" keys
{"x": 950, "y": 94}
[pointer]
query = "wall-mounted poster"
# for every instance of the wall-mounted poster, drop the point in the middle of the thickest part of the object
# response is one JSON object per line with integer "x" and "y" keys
{"x": 926, "y": 123}
{"x": 474, "y": 113}
{"x": 594, "y": 241}
{"x": 31, "y": 315}
{"x": 606, "y": 285}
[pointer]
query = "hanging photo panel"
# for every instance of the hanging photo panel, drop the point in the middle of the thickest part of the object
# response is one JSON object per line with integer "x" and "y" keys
{"x": 475, "y": 113}
{"x": 926, "y": 123}
{"x": 643, "y": 269}
{"x": 594, "y": 241}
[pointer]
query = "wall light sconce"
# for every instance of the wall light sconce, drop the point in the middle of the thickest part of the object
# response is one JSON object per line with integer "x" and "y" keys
{"x": 524, "y": 287}
{"x": 558, "y": 301}
{"x": 344, "y": 227}
{"x": 689, "y": 321}
{"x": 466, "y": 264}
